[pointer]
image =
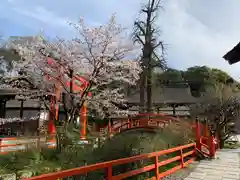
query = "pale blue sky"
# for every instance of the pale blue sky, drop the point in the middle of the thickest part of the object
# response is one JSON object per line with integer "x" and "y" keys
{"x": 198, "y": 32}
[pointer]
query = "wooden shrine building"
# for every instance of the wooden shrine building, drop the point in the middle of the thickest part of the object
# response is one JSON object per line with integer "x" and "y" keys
{"x": 168, "y": 98}
{"x": 16, "y": 115}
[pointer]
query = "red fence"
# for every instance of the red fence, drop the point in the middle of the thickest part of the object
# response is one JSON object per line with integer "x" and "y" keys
{"x": 13, "y": 144}
{"x": 184, "y": 157}
{"x": 207, "y": 145}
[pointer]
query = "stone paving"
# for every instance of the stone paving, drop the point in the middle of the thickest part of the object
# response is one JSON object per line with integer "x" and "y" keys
{"x": 226, "y": 166}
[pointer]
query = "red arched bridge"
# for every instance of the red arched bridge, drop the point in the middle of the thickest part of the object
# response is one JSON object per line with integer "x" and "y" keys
{"x": 142, "y": 121}
{"x": 185, "y": 154}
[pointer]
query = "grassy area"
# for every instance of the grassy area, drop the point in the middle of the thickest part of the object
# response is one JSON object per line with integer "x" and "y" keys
{"x": 39, "y": 161}
{"x": 232, "y": 145}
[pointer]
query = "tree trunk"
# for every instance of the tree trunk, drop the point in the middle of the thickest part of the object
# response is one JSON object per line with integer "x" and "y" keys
{"x": 142, "y": 91}
{"x": 222, "y": 142}
{"x": 149, "y": 88}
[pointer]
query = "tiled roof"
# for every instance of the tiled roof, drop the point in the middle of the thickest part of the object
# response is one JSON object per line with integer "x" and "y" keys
{"x": 26, "y": 104}
{"x": 233, "y": 56}
{"x": 167, "y": 95}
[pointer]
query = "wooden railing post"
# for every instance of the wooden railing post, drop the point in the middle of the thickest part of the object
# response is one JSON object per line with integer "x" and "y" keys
{"x": 195, "y": 150}
{"x": 205, "y": 131}
{"x": 108, "y": 173}
{"x": 156, "y": 167}
{"x": 128, "y": 124}
{"x": 211, "y": 147}
{"x": 198, "y": 134}
{"x": 182, "y": 160}
{"x": 205, "y": 128}
{"x": 128, "y": 121}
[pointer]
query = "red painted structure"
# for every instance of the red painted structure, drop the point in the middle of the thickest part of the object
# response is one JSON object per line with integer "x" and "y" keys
{"x": 186, "y": 154}
{"x": 142, "y": 121}
{"x": 78, "y": 86}
{"x": 108, "y": 166}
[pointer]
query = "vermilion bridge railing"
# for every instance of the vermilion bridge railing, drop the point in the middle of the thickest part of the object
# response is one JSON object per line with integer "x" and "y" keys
{"x": 185, "y": 155}
{"x": 183, "y": 158}
{"x": 141, "y": 120}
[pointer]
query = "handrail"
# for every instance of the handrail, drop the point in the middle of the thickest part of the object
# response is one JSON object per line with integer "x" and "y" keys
{"x": 23, "y": 142}
{"x": 119, "y": 127}
{"x": 109, "y": 165}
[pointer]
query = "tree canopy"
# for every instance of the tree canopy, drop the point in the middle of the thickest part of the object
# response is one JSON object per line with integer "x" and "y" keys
{"x": 6, "y": 58}
{"x": 199, "y": 78}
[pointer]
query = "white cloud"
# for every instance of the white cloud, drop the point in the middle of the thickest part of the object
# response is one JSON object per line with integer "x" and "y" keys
{"x": 193, "y": 41}
{"x": 197, "y": 32}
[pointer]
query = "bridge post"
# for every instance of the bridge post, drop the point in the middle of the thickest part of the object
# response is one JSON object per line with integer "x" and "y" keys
{"x": 51, "y": 124}
{"x": 205, "y": 129}
{"x": 108, "y": 173}
{"x": 197, "y": 134}
{"x": 156, "y": 167}
{"x": 212, "y": 149}
{"x": 83, "y": 121}
{"x": 129, "y": 125}
{"x": 128, "y": 122}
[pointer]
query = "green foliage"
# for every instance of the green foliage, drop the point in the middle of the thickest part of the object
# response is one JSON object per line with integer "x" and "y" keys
{"x": 199, "y": 79}
{"x": 168, "y": 76}
{"x": 39, "y": 161}
{"x": 35, "y": 162}
{"x": 137, "y": 141}
{"x": 231, "y": 145}
{"x": 172, "y": 75}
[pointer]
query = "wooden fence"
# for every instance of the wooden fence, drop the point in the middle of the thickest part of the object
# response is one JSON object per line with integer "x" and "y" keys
{"x": 185, "y": 155}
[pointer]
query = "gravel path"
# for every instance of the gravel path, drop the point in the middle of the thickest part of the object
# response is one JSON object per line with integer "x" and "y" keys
{"x": 182, "y": 173}
{"x": 226, "y": 166}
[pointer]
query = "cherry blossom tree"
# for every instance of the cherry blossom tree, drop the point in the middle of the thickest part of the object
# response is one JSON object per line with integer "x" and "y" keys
{"x": 99, "y": 54}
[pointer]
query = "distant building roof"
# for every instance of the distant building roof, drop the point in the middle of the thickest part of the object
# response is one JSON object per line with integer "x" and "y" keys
{"x": 167, "y": 95}
{"x": 26, "y": 104}
{"x": 5, "y": 91}
{"x": 6, "y": 94}
{"x": 233, "y": 56}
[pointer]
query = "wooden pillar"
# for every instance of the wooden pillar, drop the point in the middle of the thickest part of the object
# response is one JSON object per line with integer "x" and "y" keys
{"x": 83, "y": 121}
{"x": 2, "y": 108}
{"x": 51, "y": 126}
{"x": 174, "y": 109}
{"x": 205, "y": 129}
{"x": 58, "y": 98}
{"x": 197, "y": 134}
{"x": 212, "y": 149}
